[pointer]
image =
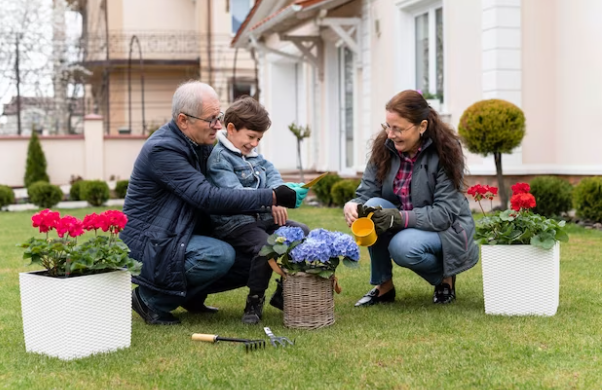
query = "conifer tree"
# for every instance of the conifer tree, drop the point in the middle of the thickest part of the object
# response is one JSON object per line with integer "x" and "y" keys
{"x": 35, "y": 168}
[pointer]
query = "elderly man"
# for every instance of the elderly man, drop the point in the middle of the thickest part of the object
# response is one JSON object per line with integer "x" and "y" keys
{"x": 168, "y": 205}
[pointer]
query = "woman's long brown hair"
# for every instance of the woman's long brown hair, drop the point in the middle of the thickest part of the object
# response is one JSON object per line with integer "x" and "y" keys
{"x": 411, "y": 106}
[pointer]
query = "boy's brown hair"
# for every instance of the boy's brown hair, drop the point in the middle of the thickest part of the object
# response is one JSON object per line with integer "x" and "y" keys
{"x": 249, "y": 113}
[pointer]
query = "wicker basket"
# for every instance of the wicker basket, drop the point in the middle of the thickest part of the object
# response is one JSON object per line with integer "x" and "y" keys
{"x": 308, "y": 301}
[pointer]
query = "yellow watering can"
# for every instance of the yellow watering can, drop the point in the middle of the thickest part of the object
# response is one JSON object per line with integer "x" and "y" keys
{"x": 363, "y": 230}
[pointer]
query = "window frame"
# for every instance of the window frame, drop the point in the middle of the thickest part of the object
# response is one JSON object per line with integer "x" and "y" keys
{"x": 408, "y": 10}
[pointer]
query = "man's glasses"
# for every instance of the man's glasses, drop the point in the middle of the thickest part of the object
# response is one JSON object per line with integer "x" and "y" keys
{"x": 212, "y": 121}
{"x": 395, "y": 129}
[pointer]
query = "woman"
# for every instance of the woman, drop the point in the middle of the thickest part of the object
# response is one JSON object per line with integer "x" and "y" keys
{"x": 415, "y": 175}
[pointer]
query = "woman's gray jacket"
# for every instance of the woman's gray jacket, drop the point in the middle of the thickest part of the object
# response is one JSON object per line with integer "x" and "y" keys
{"x": 437, "y": 205}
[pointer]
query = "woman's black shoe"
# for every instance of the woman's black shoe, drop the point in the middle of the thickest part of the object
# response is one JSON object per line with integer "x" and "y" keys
{"x": 444, "y": 293}
{"x": 372, "y": 297}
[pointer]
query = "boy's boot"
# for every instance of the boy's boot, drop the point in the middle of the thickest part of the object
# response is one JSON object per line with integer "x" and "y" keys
{"x": 253, "y": 309}
{"x": 277, "y": 297}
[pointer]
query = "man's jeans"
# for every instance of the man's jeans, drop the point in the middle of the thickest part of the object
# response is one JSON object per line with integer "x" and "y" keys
{"x": 207, "y": 260}
{"x": 417, "y": 250}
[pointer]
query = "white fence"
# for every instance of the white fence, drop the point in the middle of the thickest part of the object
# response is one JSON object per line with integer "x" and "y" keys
{"x": 92, "y": 155}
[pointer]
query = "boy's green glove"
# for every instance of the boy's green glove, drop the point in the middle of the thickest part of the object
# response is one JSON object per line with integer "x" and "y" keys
{"x": 300, "y": 192}
{"x": 386, "y": 219}
{"x": 290, "y": 195}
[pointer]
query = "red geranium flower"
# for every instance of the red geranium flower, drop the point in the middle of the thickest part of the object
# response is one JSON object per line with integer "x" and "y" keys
{"x": 523, "y": 201}
{"x": 45, "y": 220}
{"x": 520, "y": 188}
{"x": 114, "y": 220}
{"x": 69, "y": 225}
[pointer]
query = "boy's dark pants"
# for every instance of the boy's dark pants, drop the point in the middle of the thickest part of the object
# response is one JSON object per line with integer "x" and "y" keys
{"x": 249, "y": 240}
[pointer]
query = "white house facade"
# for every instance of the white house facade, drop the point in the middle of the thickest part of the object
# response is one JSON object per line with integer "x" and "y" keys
{"x": 333, "y": 64}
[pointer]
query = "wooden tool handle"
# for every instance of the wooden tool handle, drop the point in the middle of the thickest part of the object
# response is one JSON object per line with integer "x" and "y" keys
{"x": 204, "y": 337}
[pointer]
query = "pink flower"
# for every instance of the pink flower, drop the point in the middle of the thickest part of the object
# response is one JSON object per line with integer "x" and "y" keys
{"x": 45, "y": 220}
{"x": 115, "y": 221}
{"x": 69, "y": 225}
{"x": 93, "y": 222}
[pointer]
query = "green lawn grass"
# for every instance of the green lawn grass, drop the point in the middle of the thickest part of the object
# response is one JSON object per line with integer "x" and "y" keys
{"x": 411, "y": 344}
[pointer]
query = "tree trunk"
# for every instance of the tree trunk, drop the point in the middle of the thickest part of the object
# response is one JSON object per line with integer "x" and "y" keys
{"x": 18, "y": 72}
{"x": 299, "y": 160}
{"x": 502, "y": 192}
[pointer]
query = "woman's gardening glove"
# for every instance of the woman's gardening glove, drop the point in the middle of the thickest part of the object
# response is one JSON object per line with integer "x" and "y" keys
{"x": 386, "y": 219}
{"x": 290, "y": 195}
{"x": 364, "y": 211}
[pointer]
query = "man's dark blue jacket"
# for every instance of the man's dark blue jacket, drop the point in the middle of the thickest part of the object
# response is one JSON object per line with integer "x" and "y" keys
{"x": 168, "y": 199}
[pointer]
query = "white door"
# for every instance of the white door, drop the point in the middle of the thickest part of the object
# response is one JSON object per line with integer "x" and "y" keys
{"x": 346, "y": 110}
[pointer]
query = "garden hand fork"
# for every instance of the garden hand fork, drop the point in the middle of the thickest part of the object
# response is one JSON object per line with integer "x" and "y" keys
{"x": 280, "y": 340}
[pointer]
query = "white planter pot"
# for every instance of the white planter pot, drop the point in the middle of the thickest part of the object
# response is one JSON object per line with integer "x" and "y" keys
{"x": 78, "y": 316}
{"x": 520, "y": 279}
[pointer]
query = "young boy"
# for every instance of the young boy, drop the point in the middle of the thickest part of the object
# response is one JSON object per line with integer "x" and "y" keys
{"x": 234, "y": 163}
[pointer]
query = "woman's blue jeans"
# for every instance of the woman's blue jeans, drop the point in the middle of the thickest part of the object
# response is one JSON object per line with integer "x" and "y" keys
{"x": 417, "y": 250}
{"x": 207, "y": 259}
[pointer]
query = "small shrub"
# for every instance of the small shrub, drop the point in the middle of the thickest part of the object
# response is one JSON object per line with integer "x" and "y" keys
{"x": 121, "y": 187}
{"x": 75, "y": 178}
{"x": 553, "y": 195}
{"x": 343, "y": 191}
{"x": 95, "y": 192}
{"x": 35, "y": 166}
{"x": 587, "y": 199}
{"x": 7, "y": 196}
{"x": 322, "y": 189}
{"x": 75, "y": 193}
{"x": 44, "y": 195}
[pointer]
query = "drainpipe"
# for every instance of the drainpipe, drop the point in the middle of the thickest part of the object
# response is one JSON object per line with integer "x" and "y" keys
{"x": 209, "y": 39}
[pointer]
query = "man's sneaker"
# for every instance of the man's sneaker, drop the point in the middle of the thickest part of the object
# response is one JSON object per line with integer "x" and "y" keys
{"x": 444, "y": 293}
{"x": 149, "y": 316}
{"x": 277, "y": 298}
{"x": 253, "y": 309}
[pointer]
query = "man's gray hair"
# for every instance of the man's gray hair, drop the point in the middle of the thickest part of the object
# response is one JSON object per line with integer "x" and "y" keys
{"x": 188, "y": 98}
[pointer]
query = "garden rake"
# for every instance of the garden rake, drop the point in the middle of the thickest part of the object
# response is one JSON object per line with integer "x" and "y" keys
{"x": 249, "y": 344}
{"x": 274, "y": 340}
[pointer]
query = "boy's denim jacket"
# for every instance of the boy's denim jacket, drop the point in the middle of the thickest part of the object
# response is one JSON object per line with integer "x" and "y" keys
{"x": 228, "y": 168}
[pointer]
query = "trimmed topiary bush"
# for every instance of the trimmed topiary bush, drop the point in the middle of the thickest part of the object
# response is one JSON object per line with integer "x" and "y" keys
{"x": 553, "y": 195}
{"x": 44, "y": 194}
{"x": 35, "y": 167}
{"x": 95, "y": 192}
{"x": 121, "y": 188}
{"x": 322, "y": 189}
{"x": 343, "y": 191}
{"x": 587, "y": 199}
{"x": 7, "y": 196}
{"x": 75, "y": 193}
{"x": 493, "y": 126}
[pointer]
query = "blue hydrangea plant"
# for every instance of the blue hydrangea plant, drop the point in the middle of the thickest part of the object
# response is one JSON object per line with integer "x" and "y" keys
{"x": 319, "y": 253}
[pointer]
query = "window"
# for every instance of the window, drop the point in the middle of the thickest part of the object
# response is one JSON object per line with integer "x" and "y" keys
{"x": 238, "y": 12}
{"x": 429, "y": 52}
{"x": 240, "y": 88}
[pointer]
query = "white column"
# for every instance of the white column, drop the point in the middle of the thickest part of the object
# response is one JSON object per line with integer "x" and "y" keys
{"x": 501, "y": 57}
{"x": 94, "y": 163}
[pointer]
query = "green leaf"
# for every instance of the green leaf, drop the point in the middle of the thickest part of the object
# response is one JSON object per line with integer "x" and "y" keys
{"x": 350, "y": 263}
{"x": 266, "y": 250}
{"x": 280, "y": 248}
{"x": 325, "y": 274}
{"x": 506, "y": 215}
{"x": 544, "y": 241}
{"x": 271, "y": 239}
{"x": 561, "y": 235}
